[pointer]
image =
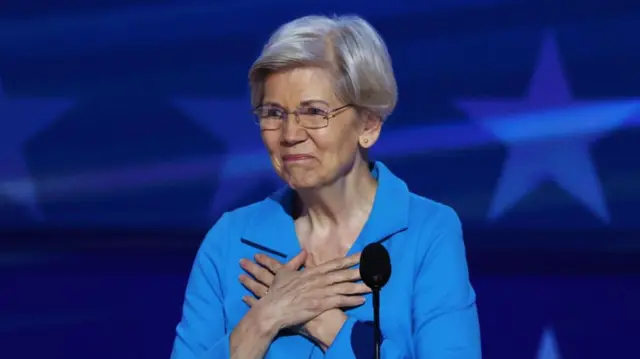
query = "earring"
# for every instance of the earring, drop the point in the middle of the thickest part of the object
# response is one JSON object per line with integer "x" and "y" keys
{"x": 365, "y": 141}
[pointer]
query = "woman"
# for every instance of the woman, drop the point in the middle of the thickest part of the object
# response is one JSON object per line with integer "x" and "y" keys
{"x": 279, "y": 278}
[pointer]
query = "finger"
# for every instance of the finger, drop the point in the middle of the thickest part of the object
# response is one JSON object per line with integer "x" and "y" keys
{"x": 257, "y": 271}
{"x": 338, "y": 264}
{"x": 250, "y": 301}
{"x": 271, "y": 264}
{"x": 258, "y": 289}
{"x": 345, "y": 275}
{"x": 342, "y": 301}
{"x": 296, "y": 262}
{"x": 347, "y": 288}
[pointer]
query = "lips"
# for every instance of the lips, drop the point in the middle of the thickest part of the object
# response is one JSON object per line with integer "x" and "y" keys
{"x": 297, "y": 157}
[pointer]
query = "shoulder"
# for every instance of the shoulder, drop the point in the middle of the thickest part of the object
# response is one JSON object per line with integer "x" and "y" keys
{"x": 429, "y": 215}
{"x": 231, "y": 225}
{"x": 436, "y": 230}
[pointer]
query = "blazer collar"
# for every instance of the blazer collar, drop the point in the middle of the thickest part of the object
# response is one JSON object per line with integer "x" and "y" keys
{"x": 272, "y": 228}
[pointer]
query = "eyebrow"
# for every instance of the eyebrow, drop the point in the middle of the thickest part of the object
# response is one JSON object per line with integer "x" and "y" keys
{"x": 311, "y": 102}
{"x": 269, "y": 103}
{"x": 303, "y": 103}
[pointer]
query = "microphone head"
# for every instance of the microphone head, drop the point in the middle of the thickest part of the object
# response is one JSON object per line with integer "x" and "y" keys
{"x": 375, "y": 266}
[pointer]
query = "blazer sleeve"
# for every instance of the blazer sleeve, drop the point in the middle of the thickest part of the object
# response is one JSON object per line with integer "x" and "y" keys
{"x": 201, "y": 333}
{"x": 445, "y": 319}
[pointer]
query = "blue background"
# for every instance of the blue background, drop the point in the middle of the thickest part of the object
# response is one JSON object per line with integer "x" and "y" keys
{"x": 125, "y": 132}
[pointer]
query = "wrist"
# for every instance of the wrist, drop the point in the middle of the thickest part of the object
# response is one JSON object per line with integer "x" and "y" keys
{"x": 255, "y": 330}
{"x": 265, "y": 321}
{"x": 325, "y": 334}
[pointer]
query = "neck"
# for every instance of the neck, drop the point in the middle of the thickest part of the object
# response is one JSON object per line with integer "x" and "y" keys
{"x": 336, "y": 203}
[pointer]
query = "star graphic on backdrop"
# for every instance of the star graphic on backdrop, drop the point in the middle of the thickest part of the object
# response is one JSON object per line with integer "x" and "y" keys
{"x": 548, "y": 135}
{"x": 20, "y": 119}
{"x": 246, "y": 162}
{"x": 548, "y": 348}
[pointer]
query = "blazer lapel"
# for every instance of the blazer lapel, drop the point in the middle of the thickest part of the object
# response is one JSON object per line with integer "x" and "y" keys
{"x": 272, "y": 229}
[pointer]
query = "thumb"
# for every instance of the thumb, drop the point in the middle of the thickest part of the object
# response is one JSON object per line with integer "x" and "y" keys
{"x": 296, "y": 262}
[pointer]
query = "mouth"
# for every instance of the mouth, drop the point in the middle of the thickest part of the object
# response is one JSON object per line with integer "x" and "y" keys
{"x": 296, "y": 158}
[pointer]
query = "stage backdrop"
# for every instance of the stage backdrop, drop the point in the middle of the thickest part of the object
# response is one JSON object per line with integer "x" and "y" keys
{"x": 519, "y": 114}
{"x": 125, "y": 131}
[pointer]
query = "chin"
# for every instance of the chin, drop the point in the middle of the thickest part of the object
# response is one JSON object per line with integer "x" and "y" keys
{"x": 303, "y": 184}
{"x": 300, "y": 178}
{"x": 303, "y": 181}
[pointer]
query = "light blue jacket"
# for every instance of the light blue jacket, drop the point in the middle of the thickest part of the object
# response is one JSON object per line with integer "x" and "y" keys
{"x": 427, "y": 309}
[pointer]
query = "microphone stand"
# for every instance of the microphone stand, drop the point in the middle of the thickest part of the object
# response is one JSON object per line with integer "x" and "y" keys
{"x": 375, "y": 271}
{"x": 377, "y": 336}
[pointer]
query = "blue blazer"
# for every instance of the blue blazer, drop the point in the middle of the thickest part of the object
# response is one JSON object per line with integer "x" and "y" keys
{"x": 427, "y": 309}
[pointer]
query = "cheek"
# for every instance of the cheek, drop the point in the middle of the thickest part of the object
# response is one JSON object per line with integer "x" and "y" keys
{"x": 272, "y": 144}
{"x": 338, "y": 147}
{"x": 270, "y": 139}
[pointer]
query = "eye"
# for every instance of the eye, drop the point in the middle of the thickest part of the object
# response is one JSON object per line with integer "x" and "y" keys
{"x": 313, "y": 111}
{"x": 271, "y": 112}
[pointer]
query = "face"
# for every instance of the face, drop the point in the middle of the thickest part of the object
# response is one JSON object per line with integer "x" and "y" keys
{"x": 312, "y": 158}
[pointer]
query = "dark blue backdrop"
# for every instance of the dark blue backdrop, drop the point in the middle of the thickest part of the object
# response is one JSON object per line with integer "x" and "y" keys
{"x": 125, "y": 132}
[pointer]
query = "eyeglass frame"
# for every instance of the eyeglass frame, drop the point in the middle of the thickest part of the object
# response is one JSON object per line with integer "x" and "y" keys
{"x": 332, "y": 113}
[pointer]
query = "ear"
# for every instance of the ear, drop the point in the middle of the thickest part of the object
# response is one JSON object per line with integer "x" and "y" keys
{"x": 371, "y": 130}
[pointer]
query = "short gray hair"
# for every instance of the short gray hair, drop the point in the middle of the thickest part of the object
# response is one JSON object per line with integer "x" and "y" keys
{"x": 348, "y": 45}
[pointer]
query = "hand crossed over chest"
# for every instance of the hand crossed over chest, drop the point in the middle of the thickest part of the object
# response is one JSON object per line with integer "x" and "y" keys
{"x": 308, "y": 300}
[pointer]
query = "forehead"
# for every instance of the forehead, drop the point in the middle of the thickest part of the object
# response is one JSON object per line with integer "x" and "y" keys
{"x": 300, "y": 85}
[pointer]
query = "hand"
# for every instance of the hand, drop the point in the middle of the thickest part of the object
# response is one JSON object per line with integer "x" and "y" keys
{"x": 297, "y": 297}
{"x": 324, "y": 328}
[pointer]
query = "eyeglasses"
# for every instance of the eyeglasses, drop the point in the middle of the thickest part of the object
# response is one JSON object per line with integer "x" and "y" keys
{"x": 271, "y": 117}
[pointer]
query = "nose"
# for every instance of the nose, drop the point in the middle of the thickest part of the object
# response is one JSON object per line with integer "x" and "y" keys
{"x": 292, "y": 132}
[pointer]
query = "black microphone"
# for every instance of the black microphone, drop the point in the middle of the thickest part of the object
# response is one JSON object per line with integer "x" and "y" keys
{"x": 375, "y": 271}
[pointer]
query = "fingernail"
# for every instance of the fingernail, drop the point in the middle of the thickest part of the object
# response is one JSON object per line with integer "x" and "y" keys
{"x": 242, "y": 262}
